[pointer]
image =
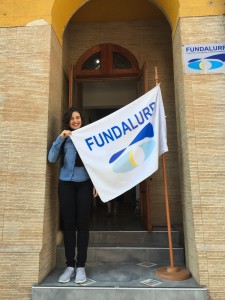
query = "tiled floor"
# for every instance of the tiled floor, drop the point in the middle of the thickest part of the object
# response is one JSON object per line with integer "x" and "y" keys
{"x": 121, "y": 275}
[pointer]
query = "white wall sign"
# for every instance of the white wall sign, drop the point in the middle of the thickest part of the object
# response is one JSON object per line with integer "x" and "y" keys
{"x": 204, "y": 58}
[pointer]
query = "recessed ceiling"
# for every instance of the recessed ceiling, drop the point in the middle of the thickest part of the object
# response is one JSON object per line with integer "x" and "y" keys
{"x": 116, "y": 10}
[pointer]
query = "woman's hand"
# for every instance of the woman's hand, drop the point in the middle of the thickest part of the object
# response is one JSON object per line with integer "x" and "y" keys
{"x": 65, "y": 133}
{"x": 95, "y": 193}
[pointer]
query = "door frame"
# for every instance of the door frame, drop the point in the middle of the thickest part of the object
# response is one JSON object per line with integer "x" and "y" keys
{"x": 145, "y": 198}
{"x": 77, "y": 76}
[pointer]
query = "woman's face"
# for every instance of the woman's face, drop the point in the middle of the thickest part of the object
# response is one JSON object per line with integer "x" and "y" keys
{"x": 75, "y": 121}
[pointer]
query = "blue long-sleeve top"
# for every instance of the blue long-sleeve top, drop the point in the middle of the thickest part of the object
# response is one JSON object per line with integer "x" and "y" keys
{"x": 68, "y": 171}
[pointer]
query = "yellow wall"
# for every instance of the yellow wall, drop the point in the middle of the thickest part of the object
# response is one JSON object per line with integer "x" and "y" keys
{"x": 59, "y": 12}
{"x": 19, "y": 13}
{"x": 197, "y": 8}
{"x": 59, "y": 24}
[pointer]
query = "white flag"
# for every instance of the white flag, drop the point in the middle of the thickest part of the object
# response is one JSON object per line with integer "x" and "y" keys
{"x": 121, "y": 150}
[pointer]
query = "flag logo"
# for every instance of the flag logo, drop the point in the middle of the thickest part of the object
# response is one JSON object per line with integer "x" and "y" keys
{"x": 136, "y": 153}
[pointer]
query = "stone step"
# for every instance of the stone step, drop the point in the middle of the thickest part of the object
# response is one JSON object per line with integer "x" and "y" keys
{"x": 125, "y": 246}
{"x": 126, "y": 254}
{"x": 119, "y": 281}
{"x": 118, "y": 293}
{"x": 119, "y": 262}
{"x": 129, "y": 238}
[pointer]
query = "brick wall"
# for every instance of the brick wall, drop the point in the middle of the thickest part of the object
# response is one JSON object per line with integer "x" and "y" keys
{"x": 200, "y": 121}
{"x": 27, "y": 110}
{"x": 50, "y": 222}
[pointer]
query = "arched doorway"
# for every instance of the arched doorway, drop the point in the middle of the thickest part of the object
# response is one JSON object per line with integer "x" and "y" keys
{"x": 105, "y": 78}
{"x": 148, "y": 40}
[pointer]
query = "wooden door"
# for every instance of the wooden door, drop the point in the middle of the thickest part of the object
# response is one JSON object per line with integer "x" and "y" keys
{"x": 75, "y": 90}
{"x": 145, "y": 203}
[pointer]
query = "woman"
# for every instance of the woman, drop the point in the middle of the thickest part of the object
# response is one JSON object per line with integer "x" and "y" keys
{"x": 76, "y": 193}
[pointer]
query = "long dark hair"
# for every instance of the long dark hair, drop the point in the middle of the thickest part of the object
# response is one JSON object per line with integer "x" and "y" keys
{"x": 67, "y": 116}
{"x": 66, "y": 126}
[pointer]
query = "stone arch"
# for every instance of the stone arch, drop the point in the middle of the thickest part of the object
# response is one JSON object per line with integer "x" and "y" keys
{"x": 78, "y": 38}
{"x": 63, "y": 10}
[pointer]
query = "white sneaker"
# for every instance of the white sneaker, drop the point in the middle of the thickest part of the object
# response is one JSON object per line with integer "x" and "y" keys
{"x": 80, "y": 275}
{"x": 67, "y": 275}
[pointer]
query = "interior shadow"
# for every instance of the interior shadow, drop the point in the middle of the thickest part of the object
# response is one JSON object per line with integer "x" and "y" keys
{"x": 123, "y": 214}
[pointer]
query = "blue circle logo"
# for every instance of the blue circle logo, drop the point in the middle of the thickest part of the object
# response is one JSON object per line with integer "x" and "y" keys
{"x": 135, "y": 154}
{"x": 208, "y": 63}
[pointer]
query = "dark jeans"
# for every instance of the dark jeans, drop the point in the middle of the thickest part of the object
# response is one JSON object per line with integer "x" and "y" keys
{"x": 75, "y": 200}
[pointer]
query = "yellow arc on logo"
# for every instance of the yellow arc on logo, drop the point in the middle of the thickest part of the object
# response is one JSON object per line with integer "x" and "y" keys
{"x": 131, "y": 158}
